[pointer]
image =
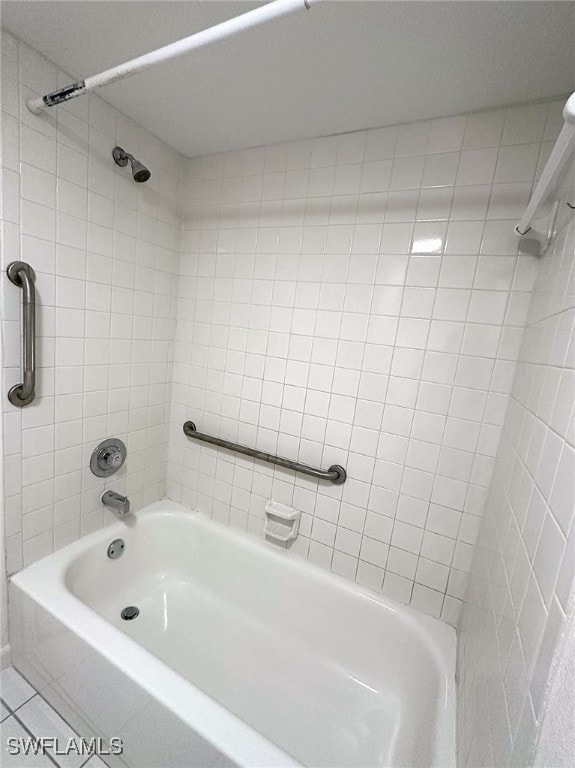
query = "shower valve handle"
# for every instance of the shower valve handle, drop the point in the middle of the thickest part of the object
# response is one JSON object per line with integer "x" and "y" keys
{"x": 108, "y": 457}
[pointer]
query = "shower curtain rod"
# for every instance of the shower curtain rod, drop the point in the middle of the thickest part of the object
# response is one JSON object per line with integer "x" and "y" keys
{"x": 235, "y": 26}
{"x": 553, "y": 168}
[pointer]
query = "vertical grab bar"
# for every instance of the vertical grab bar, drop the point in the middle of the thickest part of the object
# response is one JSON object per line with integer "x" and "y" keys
{"x": 22, "y": 275}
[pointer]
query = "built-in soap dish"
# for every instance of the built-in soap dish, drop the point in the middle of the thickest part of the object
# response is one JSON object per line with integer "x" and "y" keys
{"x": 282, "y": 522}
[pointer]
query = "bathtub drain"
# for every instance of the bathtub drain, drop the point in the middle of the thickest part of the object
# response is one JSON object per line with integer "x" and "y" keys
{"x": 130, "y": 612}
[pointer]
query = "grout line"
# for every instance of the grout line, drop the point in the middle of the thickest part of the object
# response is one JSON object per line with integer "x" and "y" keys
{"x": 76, "y": 734}
{"x": 25, "y": 702}
{"x": 25, "y": 727}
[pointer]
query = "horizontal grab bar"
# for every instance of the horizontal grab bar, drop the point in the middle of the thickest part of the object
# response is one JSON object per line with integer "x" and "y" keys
{"x": 336, "y": 474}
{"x": 22, "y": 275}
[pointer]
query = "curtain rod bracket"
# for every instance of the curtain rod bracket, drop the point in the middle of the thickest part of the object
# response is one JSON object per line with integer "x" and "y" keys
{"x": 555, "y": 164}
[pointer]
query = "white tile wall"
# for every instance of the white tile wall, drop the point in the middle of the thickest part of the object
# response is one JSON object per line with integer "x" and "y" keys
{"x": 523, "y": 570}
{"x": 356, "y": 299}
{"x": 105, "y": 251}
{"x": 359, "y": 299}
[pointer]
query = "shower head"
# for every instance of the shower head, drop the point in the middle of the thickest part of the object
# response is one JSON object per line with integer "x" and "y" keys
{"x": 139, "y": 171}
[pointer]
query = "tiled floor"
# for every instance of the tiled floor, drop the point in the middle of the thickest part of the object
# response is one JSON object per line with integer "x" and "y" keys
{"x": 24, "y": 713}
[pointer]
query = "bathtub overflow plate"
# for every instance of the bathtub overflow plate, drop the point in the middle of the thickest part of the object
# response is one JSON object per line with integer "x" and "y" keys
{"x": 116, "y": 549}
{"x": 130, "y": 612}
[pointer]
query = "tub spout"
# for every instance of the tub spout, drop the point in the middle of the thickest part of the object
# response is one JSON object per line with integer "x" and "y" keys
{"x": 121, "y": 504}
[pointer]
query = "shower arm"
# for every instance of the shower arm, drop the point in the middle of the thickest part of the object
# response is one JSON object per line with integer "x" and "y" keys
{"x": 229, "y": 28}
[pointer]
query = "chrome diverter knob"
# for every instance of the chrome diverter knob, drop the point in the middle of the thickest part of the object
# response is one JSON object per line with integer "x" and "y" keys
{"x": 108, "y": 457}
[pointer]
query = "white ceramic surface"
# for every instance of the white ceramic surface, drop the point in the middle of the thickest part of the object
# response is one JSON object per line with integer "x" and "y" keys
{"x": 252, "y": 656}
{"x": 517, "y": 606}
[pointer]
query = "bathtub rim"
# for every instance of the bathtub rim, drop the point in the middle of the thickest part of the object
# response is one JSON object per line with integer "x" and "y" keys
{"x": 212, "y": 721}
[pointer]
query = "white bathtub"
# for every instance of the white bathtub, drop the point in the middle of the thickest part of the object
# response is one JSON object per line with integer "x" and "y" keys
{"x": 241, "y": 654}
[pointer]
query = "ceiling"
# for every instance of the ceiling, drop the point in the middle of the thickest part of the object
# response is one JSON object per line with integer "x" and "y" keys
{"x": 341, "y": 66}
